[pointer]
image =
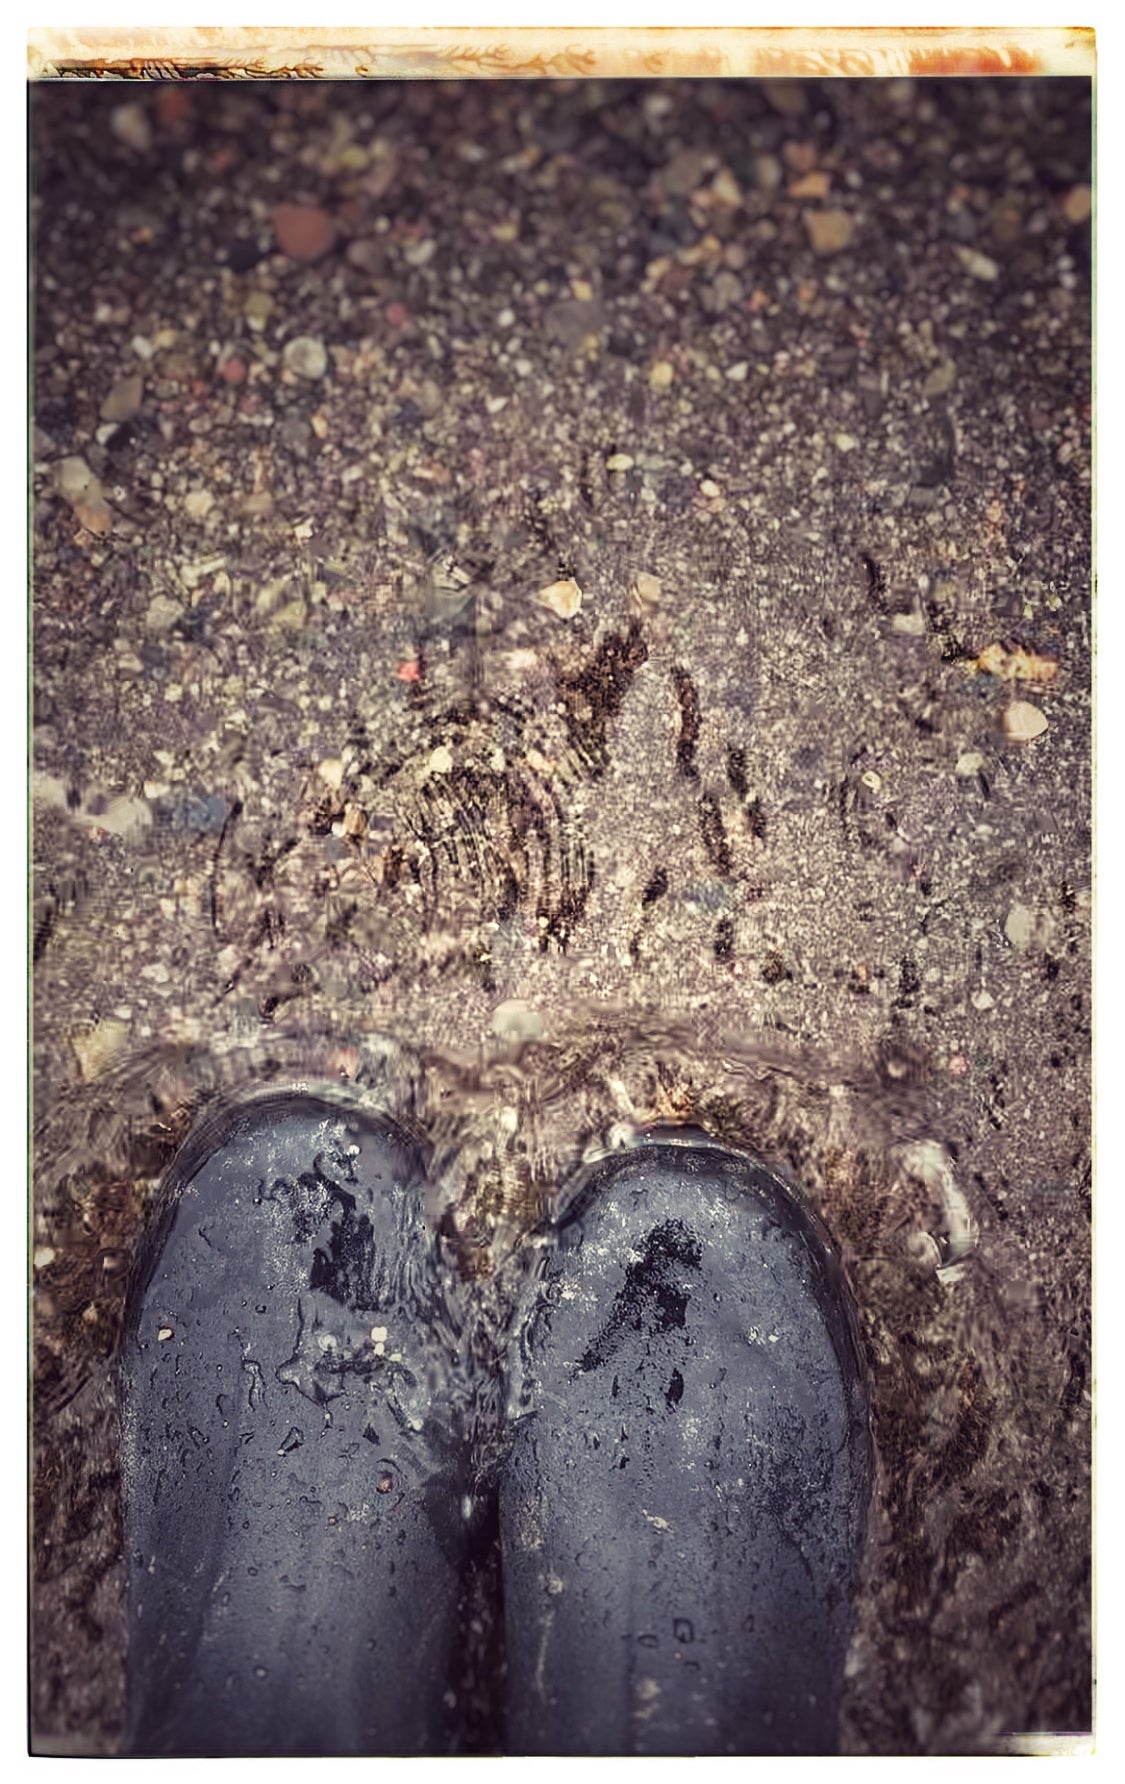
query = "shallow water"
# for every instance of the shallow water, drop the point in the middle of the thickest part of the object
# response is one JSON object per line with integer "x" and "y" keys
{"x": 508, "y": 1130}
{"x": 742, "y": 843}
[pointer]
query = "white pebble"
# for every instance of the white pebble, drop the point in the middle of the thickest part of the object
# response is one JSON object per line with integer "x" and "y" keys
{"x": 306, "y": 357}
{"x": 1023, "y": 722}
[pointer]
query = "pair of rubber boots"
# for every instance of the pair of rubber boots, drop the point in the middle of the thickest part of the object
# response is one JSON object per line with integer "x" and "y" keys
{"x": 676, "y": 1457}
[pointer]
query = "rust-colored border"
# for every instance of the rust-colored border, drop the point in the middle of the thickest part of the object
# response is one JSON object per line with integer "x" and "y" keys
{"x": 529, "y": 52}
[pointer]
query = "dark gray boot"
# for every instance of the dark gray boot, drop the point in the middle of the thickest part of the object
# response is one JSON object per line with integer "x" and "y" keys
{"x": 684, "y": 1507}
{"x": 292, "y": 1465}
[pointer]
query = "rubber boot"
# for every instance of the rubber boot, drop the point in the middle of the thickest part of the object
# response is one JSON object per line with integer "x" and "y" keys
{"x": 683, "y": 1509}
{"x": 290, "y": 1456}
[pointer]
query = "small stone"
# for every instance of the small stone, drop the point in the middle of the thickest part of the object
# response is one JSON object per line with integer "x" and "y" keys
{"x": 1023, "y": 722}
{"x": 912, "y": 625}
{"x": 726, "y": 188}
{"x": 162, "y": 613}
{"x": 686, "y": 171}
{"x": 198, "y": 503}
{"x": 431, "y": 398}
{"x": 739, "y": 373}
{"x": 258, "y": 309}
{"x": 563, "y": 598}
{"x": 645, "y": 591}
{"x": 828, "y": 231}
{"x": 812, "y": 185}
{"x": 941, "y": 379}
{"x": 656, "y": 107}
{"x": 768, "y": 173}
{"x": 1006, "y": 224}
{"x": 799, "y": 156}
{"x": 724, "y": 291}
{"x": 709, "y": 488}
{"x": 96, "y": 1048}
{"x": 173, "y": 105}
{"x": 982, "y": 1000}
{"x": 661, "y": 374}
{"x": 43, "y": 1256}
{"x": 331, "y": 772}
{"x": 306, "y": 357}
{"x": 969, "y": 762}
{"x": 516, "y": 1020}
{"x": 233, "y": 371}
{"x": 130, "y": 125}
{"x": 124, "y": 399}
{"x": 845, "y": 442}
{"x": 1019, "y": 926}
{"x": 303, "y": 231}
{"x": 978, "y": 265}
{"x": 1077, "y": 204}
{"x": 787, "y": 97}
{"x": 366, "y": 256}
{"x": 620, "y": 461}
{"x": 94, "y": 515}
{"x": 420, "y": 253}
{"x": 75, "y": 481}
{"x": 441, "y": 760}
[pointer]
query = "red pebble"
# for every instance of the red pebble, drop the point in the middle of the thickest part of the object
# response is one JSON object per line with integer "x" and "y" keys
{"x": 173, "y": 106}
{"x": 303, "y": 231}
{"x": 397, "y": 315}
{"x": 233, "y": 371}
{"x": 409, "y": 671}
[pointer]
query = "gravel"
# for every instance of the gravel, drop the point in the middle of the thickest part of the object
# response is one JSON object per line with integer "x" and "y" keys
{"x": 740, "y": 839}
